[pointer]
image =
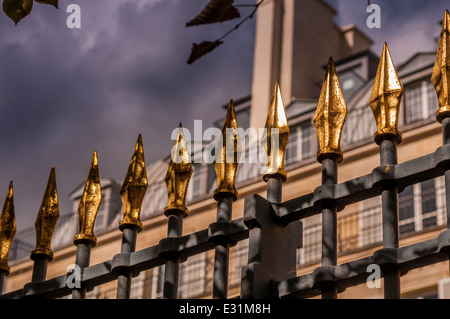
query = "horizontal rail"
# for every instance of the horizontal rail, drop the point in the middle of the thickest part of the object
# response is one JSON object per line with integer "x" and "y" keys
{"x": 147, "y": 258}
{"x": 404, "y": 174}
{"x": 355, "y": 272}
{"x": 342, "y": 194}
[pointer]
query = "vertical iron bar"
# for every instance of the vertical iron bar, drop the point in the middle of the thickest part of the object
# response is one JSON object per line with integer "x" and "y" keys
{"x": 129, "y": 235}
{"x": 222, "y": 249}
{"x": 2, "y": 281}
{"x": 446, "y": 140}
{"x": 388, "y": 156}
{"x": 82, "y": 260}
{"x": 329, "y": 226}
{"x": 274, "y": 188}
{"x": 39, "y": 268}
{"x": 172, "y": 267}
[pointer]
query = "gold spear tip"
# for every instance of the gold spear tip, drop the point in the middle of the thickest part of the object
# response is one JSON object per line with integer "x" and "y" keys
{"x": 178, "y": 175}
{"x": 230, "y": 118}
{"x": 275, "y": 150}
{"x": 440, "y": 76}
{"x": 94, "y": 159}
{"x": 10, "y": 193}
{"x": 7, "y": 229}
{"x": 226, "y": 161}
{"x": 276, "y": 117}
{"x": 8, "y": 219}
{"x": 89, "y": 205}
{"x": 385, "y": 99}
{"x": 47, "y": 218}
{"x": 136, "y": 172}
{"x": 133, "y": 188}
{"x": 179, "y": 153}
{"x": 330, "y": 115}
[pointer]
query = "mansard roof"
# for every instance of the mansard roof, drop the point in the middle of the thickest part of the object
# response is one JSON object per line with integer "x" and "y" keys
{"x": 417, "y": 62}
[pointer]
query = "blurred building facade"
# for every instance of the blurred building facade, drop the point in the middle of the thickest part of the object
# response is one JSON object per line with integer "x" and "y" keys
{"x": 293, "y": 42}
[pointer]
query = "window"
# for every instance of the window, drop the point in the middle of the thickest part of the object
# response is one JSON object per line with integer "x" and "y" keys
{"x": 347, "y": 232}
{"x": 192, "y": 277}
{"x": 419, "y": 206}
{"x": 351, "y": 79}
{"x": 429, "y": 216}
{"x": 312, "y": 245}
{"x": 406, "y": 210}
{"x": 155, "y": 200}
{"x": 359, "y": 126}
{"x": 158, "y": 282}
{"x": 100, "y": 220}
{"x": 65, "y": 230}
{"x": 191, "y": 280}
{"x": 197, "y": 184}
{"x": 300, "y": 144}
{"x": 348, "y": 84}
{"x": 238, "y": 259}
{"x": 137, "y": 286}
{"x": 433, "y": 103}
{"x": 292, "y": 148}
{"x": 420, "y": 101}
{"x": 370, "y": 226}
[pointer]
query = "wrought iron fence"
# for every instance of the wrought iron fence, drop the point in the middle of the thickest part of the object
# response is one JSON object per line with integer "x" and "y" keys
{"x": 273, "y": 227}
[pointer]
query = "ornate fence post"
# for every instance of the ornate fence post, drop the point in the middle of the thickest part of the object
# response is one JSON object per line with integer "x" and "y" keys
{"x": 177, "y": 180}
{"x": 132, "y": 194}
{"x": 329, "y": 120}
{"x": 385, "y": 103}
{"x": 441, "y": 81}
{"x": 88, "y": 209}
{"x": 225, "y": 164}
{"x": 273, "y": 246}
{"x": 45, "y": 225}
{"x": 7, "y": 231}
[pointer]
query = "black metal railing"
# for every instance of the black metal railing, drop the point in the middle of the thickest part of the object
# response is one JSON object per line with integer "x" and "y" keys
{"x": 274, "y": 228}
{"x": 261, "y": 220}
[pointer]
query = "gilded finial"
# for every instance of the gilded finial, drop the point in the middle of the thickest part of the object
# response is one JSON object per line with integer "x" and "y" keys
{"x": 7, "y": 229}
{"x": 46, "y": 220}
{"x": 226, "y": 161}
{"x": 134, "y": 188}
{"x": 178, "y": 175}
{"x": 275, "y": 137}
{"x": 385, "y": 99}
{"x": 89, "y": 205}
{"x": 441, "y": 70}
{"x": 330, "y": 115}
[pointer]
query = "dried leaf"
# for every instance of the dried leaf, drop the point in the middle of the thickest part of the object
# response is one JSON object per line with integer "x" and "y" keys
{"x": 199, "y": 50}
{"x": 51, "y": 2}
{"x": 17, "y": 9}
{"x": 216, "y": 11}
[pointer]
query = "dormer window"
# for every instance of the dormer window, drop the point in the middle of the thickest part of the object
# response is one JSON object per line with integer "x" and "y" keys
{"x": 348, "y": 84}
{"x": 301, "y": 143}
{"x": 197, "y": 184}
{"x": 420, "y": 101}
{"x": 351, "y": 80}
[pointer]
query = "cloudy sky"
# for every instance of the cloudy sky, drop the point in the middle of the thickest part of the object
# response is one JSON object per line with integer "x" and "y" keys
{"x": 67, "y": 92}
